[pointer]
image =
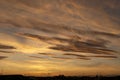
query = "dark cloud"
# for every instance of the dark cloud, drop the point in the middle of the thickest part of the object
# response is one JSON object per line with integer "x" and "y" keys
{"x": 97, "y": 43}
{"x": 66, "y": 18}
{"x": 103, "y": 56}
{"x": 78, "y": 46}
{"x": 45, "y": 54}
{"x": 75, "y": 45}
{"x": 31, "y": 3}
{"x": 106, "y": 34}
{"x": 45, "y": 27}
{"x": 36, "y": 57}
{"x": 5, "y": 51}
{"x": 45, "y": 38}
{"x": 78, "y": 56}
{"x": 64, "y": 58}
{"x": 83, "y": 58}
{"x": 94, "y": 43}
{"x": 69, "y": 58}
{"x": 97, "y": 33}
{"x": 2, "y": 57}
{"x": 6, "y": 47}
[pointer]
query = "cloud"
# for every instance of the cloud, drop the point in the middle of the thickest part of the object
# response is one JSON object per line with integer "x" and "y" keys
{"x": 103, "y": 56}
{"x": 6, "y": 47}
{"x": 49, "y": 54}
{"x": 90, "y": 46}
{"x": 31, "y": 3}
{"x": 86, "y": 57}
{"x": 2, "y": 57}
{"x": 6, "y": 51}
{"x": 78, "y": 46}
{"x": 36, "y": 57}
{"x": 106, "y": 34}
{"x": 69, "y": 58}
{"x": 78, "y": 56}
{"x": 43, "y": 38}
{"x": 47, "y": 39}
{"x": 63, "y": 58}
{"x": 61, "y": 29}
{"x": 97, "y": 43}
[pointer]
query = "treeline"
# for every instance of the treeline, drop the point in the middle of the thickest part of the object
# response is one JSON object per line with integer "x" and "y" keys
{"x": 60, "y": 77}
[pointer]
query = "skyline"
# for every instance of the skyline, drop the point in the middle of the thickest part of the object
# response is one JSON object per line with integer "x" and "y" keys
{"x": 52, "y": 37}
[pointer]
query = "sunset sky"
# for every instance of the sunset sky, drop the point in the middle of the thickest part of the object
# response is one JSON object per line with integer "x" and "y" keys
{"x": 52, "y": 37}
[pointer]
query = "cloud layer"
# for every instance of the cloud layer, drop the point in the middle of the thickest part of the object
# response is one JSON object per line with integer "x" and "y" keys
{"x": 74, "y": 31}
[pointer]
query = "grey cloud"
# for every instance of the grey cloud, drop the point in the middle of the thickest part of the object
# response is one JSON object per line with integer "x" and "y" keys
{"x": 36, "y": 57}
{"x": 103, "y": 56}
{"x": 78, "y": 56}
{"x": 6, "y": 47}
{"x": 75, "y": 45}
{"x": 36, "y": 36}
{"x": 31, "y": 3}
{"x": 107, "y": 34}
{"x": 89, "y": 57}
{"x": 69, "y": 58}
{"x": 64, "y": 58}
{"x": 6, "y": 51}
{"x": 47, "y": 17}
{"x": 46, "y": 54}
{"x": 83, "y": 58}
{"x": 2, "y": 57}
{"x": 44, "y": 38}
{"x": 97, "y": 33}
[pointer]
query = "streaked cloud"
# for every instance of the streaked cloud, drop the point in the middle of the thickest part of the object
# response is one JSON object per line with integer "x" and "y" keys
{"x": 78, "y": 46}
{"x": 105, "y": 56}
{"x": 49, "y": 54}
{"x": 2, "y": 57}
{"x": 6, "y": 51}
{"x": 63, "y": 58}
{"x": 75, "y": 45}
{"x": 6, "y": 47}
{"x": 78, "y": 56}
{"x": 81, "y": 33}
{"x": 36, "y": 57}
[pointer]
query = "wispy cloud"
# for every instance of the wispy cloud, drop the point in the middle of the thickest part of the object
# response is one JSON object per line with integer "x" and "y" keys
{"x": 104, "y": 56}
{"x": 106, "y": 34}
{"x": 77, "y": 56}
{"x": 36, "y": 57}
{"x": 6, "y": 51}
{"x": 75, "y": 45}
{"x": 78, "y": 46}
{"x": 63, "y": 58}
{"x": 75, "y": 30}
{"x": 2, "y": 46}
{"x": 3, "y": 57}
{"x": 47, "y": 54}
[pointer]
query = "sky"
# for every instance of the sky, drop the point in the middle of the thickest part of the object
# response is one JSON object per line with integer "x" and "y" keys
{"x": 52, "y": 37}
